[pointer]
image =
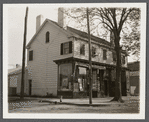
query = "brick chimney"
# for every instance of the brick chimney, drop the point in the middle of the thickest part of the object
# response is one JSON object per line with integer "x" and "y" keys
{"x": 39, "y": 20}
{"x": 61, "y": 18}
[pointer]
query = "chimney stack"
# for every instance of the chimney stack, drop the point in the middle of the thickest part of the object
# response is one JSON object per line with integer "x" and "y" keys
{"x": 61, "y": 20}
{"x": 39, "y": 20}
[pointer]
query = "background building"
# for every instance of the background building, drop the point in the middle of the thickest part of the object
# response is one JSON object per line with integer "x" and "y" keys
{"x": 134, "y": 77}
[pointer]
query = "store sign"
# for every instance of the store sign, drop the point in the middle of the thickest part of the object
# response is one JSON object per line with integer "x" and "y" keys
{"x": 99, "y": 67}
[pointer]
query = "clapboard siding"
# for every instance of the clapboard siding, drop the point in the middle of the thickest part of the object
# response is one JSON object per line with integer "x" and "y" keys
{"x": 99, "y": 50}
{"x": 42, "y": 70}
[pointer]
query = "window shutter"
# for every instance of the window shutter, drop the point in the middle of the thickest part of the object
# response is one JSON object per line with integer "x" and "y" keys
{"x": 83, "y": 49}
{"x": 61, "y": 49}
{"x": 70, "y": 47}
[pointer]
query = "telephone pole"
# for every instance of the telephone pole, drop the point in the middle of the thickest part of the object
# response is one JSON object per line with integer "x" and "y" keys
{"x": 23, "y": 57}
{"x": 90, "y": 60}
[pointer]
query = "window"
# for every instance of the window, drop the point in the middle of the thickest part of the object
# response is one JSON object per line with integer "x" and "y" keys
{"x": 114, "y": 56}
{"x": 104, "y": 54}
{"x": 31, "y": 55}
{"x": 93, "y": 51}
{"x": 65, "y": 76}
{"x": 47, "y": 37}
{"x": 123, "y": 59}
{"x": 66, "y": 48}
{"x": 82, "y": 49}
{"x": 82, "y": 78}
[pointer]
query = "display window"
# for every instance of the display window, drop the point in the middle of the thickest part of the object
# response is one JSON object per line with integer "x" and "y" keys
{"x": 65, "y": 76}
{"x": 82, "y": 78}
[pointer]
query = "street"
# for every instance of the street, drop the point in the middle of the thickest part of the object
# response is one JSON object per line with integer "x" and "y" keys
{"x": 34, "y": 106}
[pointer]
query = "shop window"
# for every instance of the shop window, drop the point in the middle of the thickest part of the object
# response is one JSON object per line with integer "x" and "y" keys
{"x": 104, "y": 54}
{"x": 82, "y": 49}
{"x": 66, "y": 48}
{"x": 47, "y": 37}
{"x": 93, "y": 51}
{"x": 31, "y": 55}
{"x": 65, "y": 76}
{"x": 94, "y": 72}
{"x": 82, "y": 78}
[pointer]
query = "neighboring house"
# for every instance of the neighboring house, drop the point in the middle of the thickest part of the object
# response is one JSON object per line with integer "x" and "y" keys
{"x": 134, "y": 77}
{"x": 14, "y": 81}
{"x": 58, "y": 62}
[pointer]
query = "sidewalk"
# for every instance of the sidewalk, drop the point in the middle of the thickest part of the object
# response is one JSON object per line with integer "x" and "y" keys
{"x": 95, "y": 101}
{"x": 81, "y": 101}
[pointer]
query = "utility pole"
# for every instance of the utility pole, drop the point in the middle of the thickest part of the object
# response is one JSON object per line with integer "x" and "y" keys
{"x": 23, "y": 57}
{"x": 90, "y": 60}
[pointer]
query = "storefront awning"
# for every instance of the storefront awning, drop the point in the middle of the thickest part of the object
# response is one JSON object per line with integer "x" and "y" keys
{"x": 93, "y": 66}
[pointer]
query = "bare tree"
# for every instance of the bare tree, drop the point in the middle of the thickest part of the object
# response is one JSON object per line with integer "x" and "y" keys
{"x": 117, "y": 21}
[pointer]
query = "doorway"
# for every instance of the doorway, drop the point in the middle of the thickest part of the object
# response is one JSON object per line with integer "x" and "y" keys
{"x": 30, "y": 87}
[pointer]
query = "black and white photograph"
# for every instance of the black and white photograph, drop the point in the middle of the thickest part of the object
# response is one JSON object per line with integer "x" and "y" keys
{"x": 74, "y": 61}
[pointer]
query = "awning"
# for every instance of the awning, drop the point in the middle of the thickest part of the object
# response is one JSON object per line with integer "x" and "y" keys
{"x": 93, "y": 66}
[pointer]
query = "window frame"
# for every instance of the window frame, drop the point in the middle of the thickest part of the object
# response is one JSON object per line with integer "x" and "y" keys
{"x": 64, "y": 48}
{"x": 31, "y": 55}
{"x": 104, "y": 54}
{"x": 82, "y": 49}
{"x": 47, "y": 37}
{"x": 93, "y": 51}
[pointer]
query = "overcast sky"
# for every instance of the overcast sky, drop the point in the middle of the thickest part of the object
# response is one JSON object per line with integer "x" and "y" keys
{"x": 14, "y": 15}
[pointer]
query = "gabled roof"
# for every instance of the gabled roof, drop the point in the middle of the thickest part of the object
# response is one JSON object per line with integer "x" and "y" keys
{"x": 41, "y": 27}
{"x": 15, "y": 70}
{"x": 85, "y": 35}
{"x": 72, "y": 32}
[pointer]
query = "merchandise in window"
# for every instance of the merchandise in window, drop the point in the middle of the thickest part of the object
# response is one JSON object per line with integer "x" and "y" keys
{"x": 65, "y": 76}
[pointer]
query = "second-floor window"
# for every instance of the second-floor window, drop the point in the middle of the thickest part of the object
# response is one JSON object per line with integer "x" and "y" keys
{"x": 93, "y": 51}
{"x": 47, "y": 37}
{"x": 66, "y": 48}
{"x": 31, "y": 55}
{"x": 82, "y": 49}
{"x": 114, "y": 56}
{"x": 123, "y": 59}
{"x": 104, "y": 54}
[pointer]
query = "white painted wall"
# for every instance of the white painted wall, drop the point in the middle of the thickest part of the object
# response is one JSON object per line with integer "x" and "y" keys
{"x": 99, "y": 50}
{"x": 42, "y": 70}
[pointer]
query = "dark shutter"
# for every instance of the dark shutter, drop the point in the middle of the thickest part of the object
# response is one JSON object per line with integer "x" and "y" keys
{"x": 104, "y": 54}
{"x": 61, "y": 49}
{"x": 70, "y": 47}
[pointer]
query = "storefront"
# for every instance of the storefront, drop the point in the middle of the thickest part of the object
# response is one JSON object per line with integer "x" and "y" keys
{"x": 73, "y": 79}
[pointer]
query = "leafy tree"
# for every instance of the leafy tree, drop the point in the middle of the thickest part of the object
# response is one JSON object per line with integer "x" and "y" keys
{"x": 118, "y": 21}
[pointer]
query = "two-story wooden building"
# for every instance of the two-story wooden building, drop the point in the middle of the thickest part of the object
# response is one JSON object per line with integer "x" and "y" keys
{"x": 58, "y": 62}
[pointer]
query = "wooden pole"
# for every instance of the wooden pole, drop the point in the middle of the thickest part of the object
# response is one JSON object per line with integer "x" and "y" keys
{"x": 23, "y": 57}
{"x": 90, "y": 62}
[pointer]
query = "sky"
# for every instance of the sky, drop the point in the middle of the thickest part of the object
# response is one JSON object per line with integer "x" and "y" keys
{"x": 14, "y": 15}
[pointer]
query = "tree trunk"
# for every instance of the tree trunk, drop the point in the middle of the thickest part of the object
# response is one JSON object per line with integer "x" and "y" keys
{"x": 118, "y": 95}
